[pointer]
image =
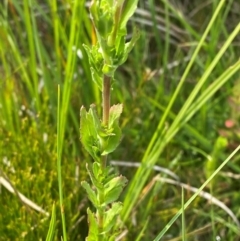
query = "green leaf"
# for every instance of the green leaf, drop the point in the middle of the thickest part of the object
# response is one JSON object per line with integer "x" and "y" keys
{"x": 96, "y": 139}
{"x": 113, "y": 139}
{"x": 89, "y": 123}
{"x": 94, "y": 9}
{"x": 94, "y": 115}
{"x": 129, "y": 46}
{"x": 52, "y": 226}
{"x": 91, "y": 194}
{"x": 109, "y": 174}
{"x": 117, "y": 11}
{"x": 95, "y": 181}
{"x": 135, "y": 36}
{"x": 97, "y": 171}
{"x": 93, "y": 227}
{"x": 111, "y": 216}
{"x": 120, "y": 45}
{"x": 113, "y": 189}
{"x": 111, "y": 136}
{"x": 129, "y": 7}
{"x": 114, "y": 114}
{"x": 102, "y": 14}
{"x": 96, "y": 62}
{"x": 97, "y": 78}
{"x": 113, "y": 237}
{"x": 103, "y": 176}
{"x": 105, "y": 23}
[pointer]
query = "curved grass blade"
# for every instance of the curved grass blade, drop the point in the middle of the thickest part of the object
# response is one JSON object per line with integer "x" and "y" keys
{"x": 171, "y": 222}
{"x": 52, "y": 226}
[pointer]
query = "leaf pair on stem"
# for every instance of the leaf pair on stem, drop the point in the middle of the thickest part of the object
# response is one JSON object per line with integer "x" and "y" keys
{"x": 100, "y": 140}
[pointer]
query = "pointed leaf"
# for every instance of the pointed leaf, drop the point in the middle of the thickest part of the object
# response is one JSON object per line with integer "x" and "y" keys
{"x": 91, "y": 194}
{"x": 96, "y": 78}
{"x": 114, "y": 114}
{"x": 88, "y": 132}
{"x": 128, "y": 10}
{"x": 105, "y": 23}
{"x": 113, "y": 189}
{"x": 113, "y": 139}
{"x": 129, "y": 46}
{"x": 96, "y": 120}
{"x": 93, "y": 227}
{"x": 94, "y": 180}
{"x": 96, "y": 62}
{"x": 120, "y": 42}
{"x": 97, "y": 171}
{"x": 111, "y": 216}
{"x": 109, "y": 174}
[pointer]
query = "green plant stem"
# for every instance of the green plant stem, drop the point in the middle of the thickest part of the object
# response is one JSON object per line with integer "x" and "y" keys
{"x": 106, "y": 95}
{"x": 106, "y": 108}
{"x": 101, "y": 210}
{"x": 106, "y": 99}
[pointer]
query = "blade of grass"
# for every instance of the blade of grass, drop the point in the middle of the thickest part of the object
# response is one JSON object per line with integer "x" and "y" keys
{"x": 56, "y": 23}
{"x": 31, "y": 32}
{"x": 166, "y": 45}
{"x": 182, "y": 81}
{"x": 71, "y": 61}
{"x": 52, "y": 226}
{"x": 45, "y": 61}
{"x": 182, "y": 19}
{"x": 170, "y": 223}
{"x": 183, "y": 218}
{"x": 203, "y": 79}
{"x": 141, "y": 234}
{"x": 155, "y": 146}
{"x": 206, "y": 95}
{"x": 190, "y": 129}
{"x": 59, "y": 171}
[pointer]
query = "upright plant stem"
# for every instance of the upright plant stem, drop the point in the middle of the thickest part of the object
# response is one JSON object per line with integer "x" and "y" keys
{"x": 106, "y": 108}
{"x": 106, "y": 98}
{"x": 106, "y": 95}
